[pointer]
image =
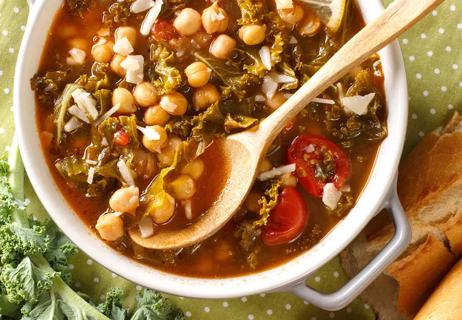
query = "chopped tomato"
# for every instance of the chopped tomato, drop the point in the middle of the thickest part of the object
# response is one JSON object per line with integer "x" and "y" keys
{"x": 121, "y": 138}
{"x": 319, "y": 161}
{"x": 287, "y": 220}
{"x": 163, "y": 31}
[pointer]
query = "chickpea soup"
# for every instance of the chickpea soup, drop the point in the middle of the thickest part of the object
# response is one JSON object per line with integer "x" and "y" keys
{"x": 134, "y": 96}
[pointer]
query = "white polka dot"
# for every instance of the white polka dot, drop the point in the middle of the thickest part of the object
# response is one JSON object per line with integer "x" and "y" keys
{"x": 306, "y": 302}
{"x": 336, "y": 274}
{"x": 448, "y": 49}
{"x": 206, "y": 309}
{"x": 288, "y": 306}
{"x": 250, "y": 317}
{"x": 418, "y": 76}
{"x": 441, "y": 30}
{"x": 405, "y": 41}
{"x": 138, "y": 288}
{"x": 1, "y": 73}
{"x": 16, "y": 10}
{"x": 421, "y": 134}
{"x": 7, "y": 148}
{"x": 423, "y": 36}
{"x": 23, "y": 28}
{"x": 450, "y": 106}
{"x": 426, "y": 93}
{"x": 188, "y": 314}
{"x": 262, "y": 295}
{"x": 434, "y": 13}
{"x": 452, "y": 7}
{"x": 317, "y": 279}
{"x": 244, "y": 299}
{"x": 96, "y": 280}
{"x": 89, "y": 262}
{"x": 459, "y": 26}
{"x": 455, "y": 66}
{"x": 366, "y": 306}
{"x": 2, "y": 131}
{"x": 11, "y": 50}
{"x": 437, "y": 71}
{"x": 5, "y": 32}
{"x": 349, "y": 310}
{"x": 411, "y": 58}
{"x": 414, "y": 116}
{"x": 225, "y": 304}
{"x": 444, "y": 88}
{"x": 269, "y": 312}
{"x": 460, "y": 84}
{"x": 71, "y": 266}
{"x": 430, "y": 53}
{"x": 332, "y": 315}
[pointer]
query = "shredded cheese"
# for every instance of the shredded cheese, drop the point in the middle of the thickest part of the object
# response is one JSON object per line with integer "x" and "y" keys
{"x": 91, "y": 175}
{"x": 125, "y": 172}
{"x": 357, "y": 104}
{"x": 265, "y": 55}
{"x": 149, "y": 133}
{"x": 139, "y": 6}
{"x": 276, "y": 172}
{"x": 78, "y": 113}
{"x": 146, "y": 227}
{"x": 72, "y": 124}
{"x": 269, "y": 87}
{"x": 323, "y": 101}
{"x": 331, "y": 196}
{"x": 151, "y": 18}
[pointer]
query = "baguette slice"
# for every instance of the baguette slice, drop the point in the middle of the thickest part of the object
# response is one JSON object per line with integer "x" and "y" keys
{"x": 446, "y": 302}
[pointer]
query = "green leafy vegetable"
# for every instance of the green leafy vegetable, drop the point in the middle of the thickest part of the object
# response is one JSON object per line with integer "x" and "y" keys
{"x": 61, "y": 107}
{"x": 112, "y": 307}
{"x": 251, "y": 12}
{"x": 277, "y": 49}
{"x": 117, "y": 14}
{"x": 267, "y": 203}
{"x": 48, "y": 87}
{"x": 151, "y": 305}
{"x": 165, "y": 77}
{"x": 238, "y": 123}
{"x": 78, "y": 7}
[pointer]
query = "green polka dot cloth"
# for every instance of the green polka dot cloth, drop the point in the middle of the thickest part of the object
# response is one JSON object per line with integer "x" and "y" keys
{"x": 433, "y": 55}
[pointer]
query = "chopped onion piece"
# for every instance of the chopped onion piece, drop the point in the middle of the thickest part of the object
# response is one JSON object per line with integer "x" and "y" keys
{"x": 86, "y": 103}
{"x": 133, "y": 63}
{"x": 78, "y": 113}
{"x": 123, "y": 47}
{"x": 72, "y": 125}
{"x": 309, "y": 148}
{"x": 149, "y": 133}
{"x": 151, "y": 18}
{"x": 104, "y": 142}
{"x": 276, "y": 172}
{"x": 293, "y": 40}
{"x": 260, "y": 98}
{"x": 135, "y": 77}
{"x": 281, "y": 78}
{"x": 146, "y": 227}
{"x": 284, "y": 4}
{"x": 77, "y": 57}
{"x": 188, "y": 209}
{"x": 125, "y": 172}
{"x": 323, "y": 101}
{"x": 109, "y": 113}
{"x": 331, "y": 196}
{"x": 265, "y": 55}
{"x": 269, "y": 87}
{"x": 91, "y": 175}
{"x": 357, "y": 104}
{"x": 141, "y": 5}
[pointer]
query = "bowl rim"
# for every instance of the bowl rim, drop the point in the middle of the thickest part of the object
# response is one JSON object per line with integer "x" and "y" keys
{"x": 371, "y": 201}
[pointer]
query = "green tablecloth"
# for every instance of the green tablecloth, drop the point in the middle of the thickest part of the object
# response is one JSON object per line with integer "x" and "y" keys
{"x": 433, "y": 56}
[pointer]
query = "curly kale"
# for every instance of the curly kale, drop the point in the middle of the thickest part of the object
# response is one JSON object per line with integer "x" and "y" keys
{"x": 78, "y": 7}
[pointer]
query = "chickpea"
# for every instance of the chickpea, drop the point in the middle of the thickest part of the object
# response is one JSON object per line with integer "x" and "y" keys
{"x": 188, "y": 22}
{"x": 102, "y": 52}
{"x": 145, "y": 94}
{"x": 116, "y": 67}
{"x": 156, "y": 116}
{"x": 164, "y": 209}
{"x": 251, "y": 202}
{"x": 292, "y": 16}
{"x": 215, "y": 19}
{"x": 110, "y": 227}
{"x": 265, "y": 165}
{"x": 183, "y": 187}
{"x": 198, "y": 74}
{"x": 310, "y": 25}
{"x": 206, "y": 96}
{"x": 167, "y": 155}
{"x": 79, "y": 43}
{"x": 125, "y": 100}
{"x": 252, "y": 34}
{"x": 194, "y": 169}
{"x": 126, "y": 32}
{"x": 125, "y": 200}
{"x": 276, "y": 101}
{"x": 222, "y": 47}
{"x": 67, "y": 30}
{"x": 174, "y": 103}
{"x": 158, "y": 144}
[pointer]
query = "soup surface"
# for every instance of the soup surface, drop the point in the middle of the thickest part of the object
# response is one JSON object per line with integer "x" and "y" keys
{"x": 131, "y": 111}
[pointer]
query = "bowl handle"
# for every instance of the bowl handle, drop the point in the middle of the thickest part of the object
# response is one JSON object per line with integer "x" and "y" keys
{"x": 343, "y": 297}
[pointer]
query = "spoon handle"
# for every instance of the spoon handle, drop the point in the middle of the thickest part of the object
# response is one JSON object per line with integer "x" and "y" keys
{"x": 396, "y": 19}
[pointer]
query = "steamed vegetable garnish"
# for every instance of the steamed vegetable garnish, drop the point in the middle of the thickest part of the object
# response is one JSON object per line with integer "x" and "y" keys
{"x": 35, "y": 273}
{"x": 135, "y": 134}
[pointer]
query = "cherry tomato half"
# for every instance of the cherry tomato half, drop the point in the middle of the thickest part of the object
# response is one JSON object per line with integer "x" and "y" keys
{"x": 287, "y": 220}
{"x": 319, "y": 161}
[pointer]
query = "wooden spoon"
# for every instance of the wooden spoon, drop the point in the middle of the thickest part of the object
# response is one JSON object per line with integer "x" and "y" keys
{"x": 244, "y": 151}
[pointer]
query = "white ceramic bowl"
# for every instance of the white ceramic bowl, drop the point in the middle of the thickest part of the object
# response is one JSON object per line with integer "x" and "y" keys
{"x": 285, "y": 277}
